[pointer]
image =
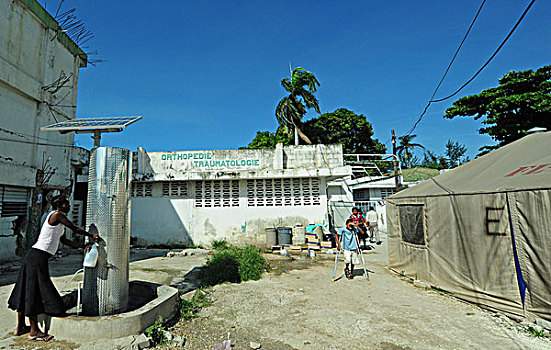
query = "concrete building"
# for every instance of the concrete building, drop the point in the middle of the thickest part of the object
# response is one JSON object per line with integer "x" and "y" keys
{"x": 195, "y": 197}
{"x": 39, "y": 70}
{"x": 363, "y": 193}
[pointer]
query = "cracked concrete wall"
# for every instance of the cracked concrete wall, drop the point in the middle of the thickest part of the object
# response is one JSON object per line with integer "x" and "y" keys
{"x": 30, "y": 61}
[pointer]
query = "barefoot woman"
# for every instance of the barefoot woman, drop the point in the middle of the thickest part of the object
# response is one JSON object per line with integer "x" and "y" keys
{"x": 34, "y": 293}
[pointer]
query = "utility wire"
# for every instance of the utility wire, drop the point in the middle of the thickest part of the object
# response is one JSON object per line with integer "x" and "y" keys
{"x": 447, "y": 69}
{"x": 491, "y": 57}
{"x": 36, "y": 143}
{"x": 23, "y": 135}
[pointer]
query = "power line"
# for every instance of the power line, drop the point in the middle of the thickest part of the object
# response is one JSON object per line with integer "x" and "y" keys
{"x": 448, "y": 68}
{"x": 480, "y": 69}
{"x": 23, "y": 135}
{"x": 36, "y": 143}
{"x": 491, "y": 57}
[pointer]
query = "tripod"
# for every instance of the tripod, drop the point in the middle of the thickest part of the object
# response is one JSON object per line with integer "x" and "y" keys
{"x": 360, "y": 253}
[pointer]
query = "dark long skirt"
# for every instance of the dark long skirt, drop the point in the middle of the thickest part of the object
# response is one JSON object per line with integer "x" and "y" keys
{"x": 34, "y": 293}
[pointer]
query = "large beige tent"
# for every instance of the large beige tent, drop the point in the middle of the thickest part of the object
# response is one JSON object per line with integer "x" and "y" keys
{"x": 482, "y": 230}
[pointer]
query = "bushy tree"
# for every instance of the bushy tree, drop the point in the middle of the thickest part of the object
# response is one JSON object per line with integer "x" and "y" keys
{"x": 269, "y": 140}
{"x": 520, "y": 102}
{"x": 343, "y": 126}
{"x": 452, "y": 156}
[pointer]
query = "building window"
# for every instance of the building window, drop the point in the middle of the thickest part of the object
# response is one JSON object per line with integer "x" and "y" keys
{"x": 361, "y": 195}
{"x": 412, "y": 224}
{"x": 283, "y": 192}
{"x": 217, "y": 193}
{"x": 175, "y": 189}
{"x": 141, "y": 189}
{"x": 385, "y": 192}
{"x": 13, "y": 201}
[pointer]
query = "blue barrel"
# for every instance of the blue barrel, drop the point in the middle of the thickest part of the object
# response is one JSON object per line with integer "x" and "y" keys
{"x": 284, "y": 235}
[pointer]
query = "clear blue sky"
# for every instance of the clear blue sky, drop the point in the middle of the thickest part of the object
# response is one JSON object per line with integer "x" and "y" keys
{"x": 206, "y": 75}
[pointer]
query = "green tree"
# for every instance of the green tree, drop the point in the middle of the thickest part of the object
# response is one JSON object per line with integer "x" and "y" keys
{"x": 520, "y": 102}
{"x": 434, "y": 161}
{"x": 406, "y": 147}
{"x": 343, "y": 126}
{"x": 454, "y": 152}
{"x": 269, "y": 140}
{"x": 291, "y": 109}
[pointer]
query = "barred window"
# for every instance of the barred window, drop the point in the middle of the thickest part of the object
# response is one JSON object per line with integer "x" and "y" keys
{"x": 141, "y": 189}
{"x": 283, "y": 192}
{"x": 412, "y": 223}
{"x": 217, "y": 193}
{"x": 175, "y": 189}
{"x": 385, "y": 192}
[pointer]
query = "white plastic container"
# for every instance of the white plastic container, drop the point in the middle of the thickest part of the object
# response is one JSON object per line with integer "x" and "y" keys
{"x": 91, "y": 256}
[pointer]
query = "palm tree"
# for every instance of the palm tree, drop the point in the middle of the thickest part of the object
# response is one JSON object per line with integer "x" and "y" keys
{"x": 292, "y": 108}
{"x": 405, "y": 150}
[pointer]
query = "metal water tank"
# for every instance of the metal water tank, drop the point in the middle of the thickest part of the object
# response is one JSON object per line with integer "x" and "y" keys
{"x": 106, "y": 285}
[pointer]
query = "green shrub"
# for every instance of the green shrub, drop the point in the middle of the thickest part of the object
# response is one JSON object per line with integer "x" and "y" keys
{"x": 221, "y": 267}
{"x": 156, "y": 332}
{"x": 220, "y": 245}
{"x": 251, "y": 263}
{"x": 201, "y": 298}
{"x": 233, "y": 264}
{"x": 538, "y": 333}
{"x": 189, "y": 309}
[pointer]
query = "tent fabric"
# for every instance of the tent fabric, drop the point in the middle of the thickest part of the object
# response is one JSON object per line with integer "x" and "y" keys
{"x": 523, "y": 164}
{"x": 474, "y": 218}
{"x": 532, "y": 225}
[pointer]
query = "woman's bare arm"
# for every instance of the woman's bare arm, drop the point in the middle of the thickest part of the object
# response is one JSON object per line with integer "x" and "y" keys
{"x": 59, "y": 217}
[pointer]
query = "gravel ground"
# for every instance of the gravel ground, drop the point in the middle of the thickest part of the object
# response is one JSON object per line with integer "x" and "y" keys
{"x": 302, "y": 309}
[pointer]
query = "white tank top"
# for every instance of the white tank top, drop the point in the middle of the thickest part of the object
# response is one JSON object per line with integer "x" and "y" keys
{"x": 48, "y": 239}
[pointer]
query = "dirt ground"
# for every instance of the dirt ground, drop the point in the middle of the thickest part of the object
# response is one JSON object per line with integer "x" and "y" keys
{"x": 302, "y": 309}
{"x": 296, "y": 306}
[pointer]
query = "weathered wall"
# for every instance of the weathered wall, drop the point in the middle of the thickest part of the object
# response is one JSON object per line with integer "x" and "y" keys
{"x": 264, "y": 188}
{"x": 8, "y": 242}
{"x": 30, "y": 61}
{"x": 284, "y": 161}
{"x": 39, "y": 69}
{"x": 162, "y": 220}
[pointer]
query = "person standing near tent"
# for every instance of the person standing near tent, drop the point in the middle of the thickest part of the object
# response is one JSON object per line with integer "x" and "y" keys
{"x": 347, "y": 240}
{"x": 34, "y": 293}
{"x": 373, "y": 226}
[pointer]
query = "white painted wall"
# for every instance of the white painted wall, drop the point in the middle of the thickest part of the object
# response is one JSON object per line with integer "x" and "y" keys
{"x": 164, "y": 220}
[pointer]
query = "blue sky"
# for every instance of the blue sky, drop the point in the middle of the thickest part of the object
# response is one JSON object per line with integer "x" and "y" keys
{"x": 206, "y": 75}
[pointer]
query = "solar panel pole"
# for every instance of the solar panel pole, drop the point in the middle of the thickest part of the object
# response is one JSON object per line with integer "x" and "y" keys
{"x": 97, "y": 138}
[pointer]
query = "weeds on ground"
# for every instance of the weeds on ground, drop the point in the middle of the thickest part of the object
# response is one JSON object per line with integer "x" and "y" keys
{"x": 189, "y": 309}
{"x": 156, "y": 332}
{"x": 220, "y": 245}
{"x": 534, "y": 332}
{"x": 233, "y": 264}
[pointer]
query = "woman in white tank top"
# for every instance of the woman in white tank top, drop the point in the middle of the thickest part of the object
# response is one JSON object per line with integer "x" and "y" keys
{"x": 34, "y": 293}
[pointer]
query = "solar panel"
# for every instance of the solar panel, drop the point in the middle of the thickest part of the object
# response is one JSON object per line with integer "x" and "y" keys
{"x": 91, "y": 124}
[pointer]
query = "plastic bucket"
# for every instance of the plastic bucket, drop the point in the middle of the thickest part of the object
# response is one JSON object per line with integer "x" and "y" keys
{"x": 284, "y": 235}
{"x": 271, "y": 236}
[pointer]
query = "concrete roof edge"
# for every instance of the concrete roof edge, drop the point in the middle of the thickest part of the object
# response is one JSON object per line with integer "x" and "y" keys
{"x": 44, "y": 16}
